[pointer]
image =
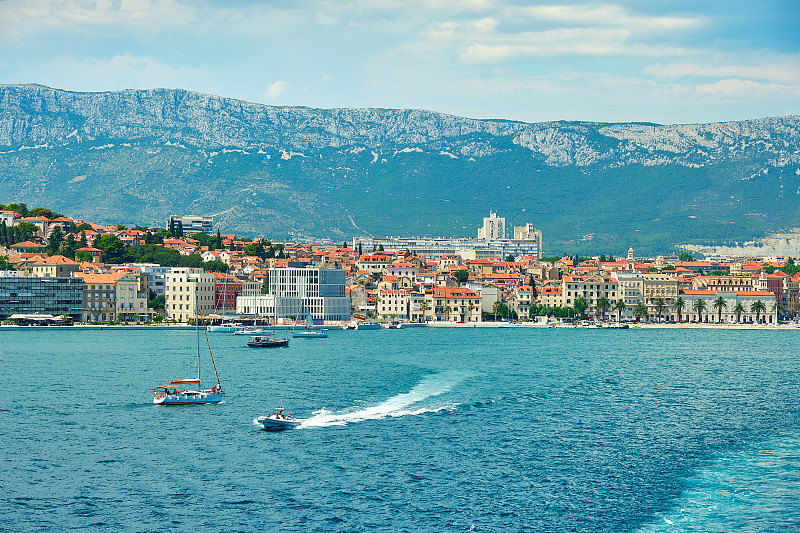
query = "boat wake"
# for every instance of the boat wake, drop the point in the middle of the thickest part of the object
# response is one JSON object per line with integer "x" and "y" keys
{"x": 404, "y": 404}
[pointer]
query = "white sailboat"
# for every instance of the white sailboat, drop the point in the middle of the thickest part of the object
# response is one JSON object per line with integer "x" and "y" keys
{"x": 309, "y": 333}
{"x": 188, "y": 391}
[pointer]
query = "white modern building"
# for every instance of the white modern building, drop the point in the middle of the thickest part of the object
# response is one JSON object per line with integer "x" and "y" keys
{"x": 299, "y": 292}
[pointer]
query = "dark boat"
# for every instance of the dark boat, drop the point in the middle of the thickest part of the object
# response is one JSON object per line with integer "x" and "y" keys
{"x": 266, "y": 342}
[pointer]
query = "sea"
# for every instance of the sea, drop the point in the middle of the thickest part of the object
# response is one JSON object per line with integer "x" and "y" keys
{"x": 424, "y": 429}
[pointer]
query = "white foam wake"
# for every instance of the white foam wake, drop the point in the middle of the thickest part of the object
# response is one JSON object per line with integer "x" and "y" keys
{"x": 396, "y": 406}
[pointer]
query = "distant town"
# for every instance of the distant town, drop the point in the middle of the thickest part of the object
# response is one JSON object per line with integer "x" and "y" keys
{"x": 56, "y": 269}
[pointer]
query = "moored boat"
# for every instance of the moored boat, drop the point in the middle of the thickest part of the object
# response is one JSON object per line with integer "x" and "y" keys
{"x": 225, "y": 327}
{"x": 267, "y": 342}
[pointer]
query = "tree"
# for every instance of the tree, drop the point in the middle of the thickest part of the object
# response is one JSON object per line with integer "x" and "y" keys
{"x": 581, "y": 305}
{"x": 679, "y": 305}
{"x": 423, "y": 307}
{"x": 758, "y": 307}
{"x": 738, "y": 309}
{"x": 3, "y": 233}
{"x": 43, "y": 212}
{"x": 461, "y": 276}
{"x": 4, "y": 264}
{"x": 254, "y": 249}
{"x": 215, "y": 266}
{"x": 112, "y": 247}
{"x": 54, "y": 241}
{"x": 447, "y": 311}
{"x": 603, "y": 305}
{"x": 640, "y": 311}
{"x": 496, "y": 309}
{"x": 510, "y": 258}
{"x": 719, "y": 304}
{"x": 619, "y": 307}
{"x": 26, "y": 230}
{"x": 778, "y": 308}
{"x": 660, "y": 305}
{"x": 699, "y": 306}
{"x": 685, "y": 257}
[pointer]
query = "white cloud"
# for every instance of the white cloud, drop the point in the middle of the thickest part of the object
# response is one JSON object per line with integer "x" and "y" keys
{"x": 76, "y": 16}
{"x": 747, "y": 88}
{"x": 784, "y": 70}
{"x": 606, "y": 15}
{"x": 276, "y": 89}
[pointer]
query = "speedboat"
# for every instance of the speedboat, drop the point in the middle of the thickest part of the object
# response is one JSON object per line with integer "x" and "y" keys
{"x": 266, "y": 342}
{"x": 277, "y": 421}
{"x": 225, "y": 327}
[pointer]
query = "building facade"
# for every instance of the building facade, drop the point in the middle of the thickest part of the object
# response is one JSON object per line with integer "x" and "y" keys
{"x": 183, "y": 285}
{"x": 45, "y": 295}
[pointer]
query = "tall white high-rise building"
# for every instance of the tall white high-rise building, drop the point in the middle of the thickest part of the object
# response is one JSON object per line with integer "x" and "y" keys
{"x": 494, "y": 228}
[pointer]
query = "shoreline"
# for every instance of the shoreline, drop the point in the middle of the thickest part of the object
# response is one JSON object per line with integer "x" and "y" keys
{"x": 496, "y": 325}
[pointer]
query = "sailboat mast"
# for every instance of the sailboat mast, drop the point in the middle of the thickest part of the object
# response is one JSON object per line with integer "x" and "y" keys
{"x": 197, "y": 323}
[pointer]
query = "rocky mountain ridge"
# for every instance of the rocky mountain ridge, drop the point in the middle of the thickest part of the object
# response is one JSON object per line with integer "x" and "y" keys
{"x": 33, "y": 116}
{"x": 140, "y": 155}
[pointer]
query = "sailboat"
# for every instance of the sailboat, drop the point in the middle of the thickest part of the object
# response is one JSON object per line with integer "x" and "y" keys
{"x": 264, "y": 341}
{"x": 188, "y": 391}
{"x": 308, "y": 333}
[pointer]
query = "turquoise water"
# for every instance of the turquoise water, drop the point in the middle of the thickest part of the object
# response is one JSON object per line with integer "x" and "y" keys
{"x": 406, "y": 430}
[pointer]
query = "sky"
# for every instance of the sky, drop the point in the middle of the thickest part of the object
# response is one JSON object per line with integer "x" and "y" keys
{"x": 667, "y": 61}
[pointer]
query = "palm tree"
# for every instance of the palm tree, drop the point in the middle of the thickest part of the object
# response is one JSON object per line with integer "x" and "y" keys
{"x": 719, "y": 304}
{"x": 603, "y": 305}
{"x": 758, "y": 307}
{"x": 580, "y": 305}
{"x": 699, "y": 306}
{"x": 679, "y": 305}
{"x": 619, "y": 307}
{"x": 640, "y": 311}
{"x": 423, "y": 307}
{"x": 496, "y": 309}
{"x": 738, "y": 309}
{"x": 447, "y": 311}
{"x": 777, "y": 308}
{"x": 659, "y": 306}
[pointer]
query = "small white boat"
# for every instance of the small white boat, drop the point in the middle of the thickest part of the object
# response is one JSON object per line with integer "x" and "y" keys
{"x": 310, "y": 334}
{"x": 277, "y": 421}
{"x": 250, "y": 330}
{"x": 617, "y": 325}
{"x": 225, "y": 327}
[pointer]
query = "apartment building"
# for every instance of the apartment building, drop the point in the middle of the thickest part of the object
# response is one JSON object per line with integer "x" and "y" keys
{"x": 183, "y": 285}
{"x": 453, "y": 304}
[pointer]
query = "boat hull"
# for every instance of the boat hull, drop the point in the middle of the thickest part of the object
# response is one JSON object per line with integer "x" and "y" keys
{"x": 268, "y": 343}
{"x": 276, "y": 424}
{"x": 309, "y": 335}
{"x": 188, "y": 398}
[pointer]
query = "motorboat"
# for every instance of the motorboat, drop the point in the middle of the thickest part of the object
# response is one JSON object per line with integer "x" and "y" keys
{"x": 277, "y": 421}
{"x": 267, "y": 342}
{"x": 188, "y": 391}
{"x": 510, "y": 325}
{"x": 617, "y": 325}
{"x": 225, "y": 327}
{"x": 250, "y": 330}
{"x": 369, "y": 325}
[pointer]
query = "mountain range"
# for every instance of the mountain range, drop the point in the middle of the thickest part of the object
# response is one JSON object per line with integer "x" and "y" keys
{"x": 137, "y": 156}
